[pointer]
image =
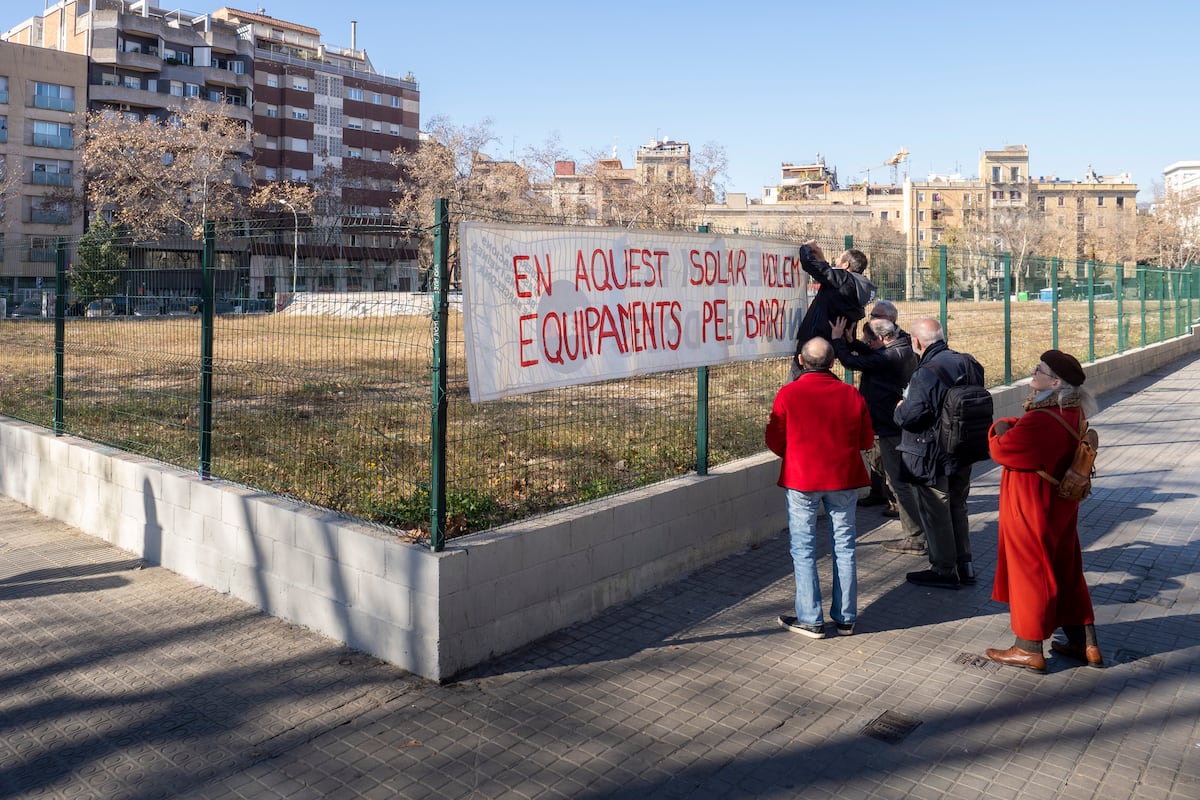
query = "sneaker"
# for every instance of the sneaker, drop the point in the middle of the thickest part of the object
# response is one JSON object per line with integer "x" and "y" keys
{"x": 796, "y": 626}
{"x": 845, "y": 628}
{"x": 928, "y": 577}
{"x": 905, "y": 546}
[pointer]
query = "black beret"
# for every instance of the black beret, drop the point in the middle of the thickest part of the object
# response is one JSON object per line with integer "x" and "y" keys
{"x": 1065, "y": 366}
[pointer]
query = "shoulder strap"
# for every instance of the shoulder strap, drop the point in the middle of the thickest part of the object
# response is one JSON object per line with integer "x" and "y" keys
{"x": 1077, "y": 434}
{"x": 941, "y": 373}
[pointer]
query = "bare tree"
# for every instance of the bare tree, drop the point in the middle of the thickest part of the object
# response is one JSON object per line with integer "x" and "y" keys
{"x": 156, "y": 177}
{"x": 710, "y": 167}
{"x": 1018, "y": 231}
{"x": 662, "y": 201}
{"x": 1169, "y": 236}
{"x": 10, "y": 182}
{"x": 451, "y": 163}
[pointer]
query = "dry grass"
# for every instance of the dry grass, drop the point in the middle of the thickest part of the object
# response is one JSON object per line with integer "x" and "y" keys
{"x": 336, "y": 412}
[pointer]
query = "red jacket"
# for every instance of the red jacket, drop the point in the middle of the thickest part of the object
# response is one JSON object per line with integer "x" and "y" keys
{"x": 819, "y": 426}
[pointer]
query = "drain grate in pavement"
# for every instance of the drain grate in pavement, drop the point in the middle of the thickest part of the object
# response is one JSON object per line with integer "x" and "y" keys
{"x": 891, "y": 727}
{"x": 977, "y": 661}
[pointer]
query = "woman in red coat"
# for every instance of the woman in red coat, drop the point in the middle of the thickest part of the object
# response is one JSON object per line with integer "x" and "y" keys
{"x": 1039, "y": 568}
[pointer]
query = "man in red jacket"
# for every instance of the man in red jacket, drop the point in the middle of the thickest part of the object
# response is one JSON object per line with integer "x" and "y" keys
{"x": 819, "y": 426}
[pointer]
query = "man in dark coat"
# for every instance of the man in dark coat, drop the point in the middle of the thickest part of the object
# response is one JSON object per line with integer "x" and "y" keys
{"x": 940, "y": 483}
{"x": 886, "y": 363}
{"x": 843, "y": 292}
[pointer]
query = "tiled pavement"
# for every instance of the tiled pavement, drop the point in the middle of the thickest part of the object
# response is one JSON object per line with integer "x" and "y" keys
{"x": 122, "y": 682}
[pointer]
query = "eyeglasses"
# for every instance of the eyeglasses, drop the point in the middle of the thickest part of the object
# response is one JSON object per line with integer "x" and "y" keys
{"x": 1038, "y": 370}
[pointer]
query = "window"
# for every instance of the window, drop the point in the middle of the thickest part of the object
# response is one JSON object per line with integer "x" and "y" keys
{"x": 3, "y": 88}
{"x": 920, "y": 216}
{"x": 395, "y": 102}
{"x": 1014, "y": 195}
{"x": 376, "y": 98}
{"x": 109, "y": 79}
{"x": 272, "y": 80}
{"x": 997, "y": 195}
{"x": 133, "y": 82}
{"x": 270, "y": 173}
{"x": 51, "y": 173}
{"x": 883, "y": 215}
{"x": 300, "y": 84}
{"x": 1120, "y": 202}
{"x": 1041, "y": 202}
{"x": 376, "y": 127}
{"x": 272, "y": 111}
{"x": 394, "y": 130}
{"x": 920, "y": 197}
{"x": 354, "y": 152}
{"x": 50, "y": 213}
{"x": 191, "y": 90}
{"x": 1062, "y": 201}
{"x": 299, "y": 145}
{"x": 53, "y": 96}
{"x": 995, "y": 174}
{"x": 177, "y": 88}
{"x": 52, "y": 134}
{"x": 1100, "y": 201}
{"x": 354, "y": 94}
{"x": 1014, "y": 174}
{"x": 920, "y": 234}
{"x": 300, "y": 176}
{"x": 299, "y": 113}
{"x": 354, "y": 123}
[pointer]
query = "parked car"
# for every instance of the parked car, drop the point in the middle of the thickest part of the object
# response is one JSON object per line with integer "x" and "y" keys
{"x": 101, "y": 308}
{"x": 28, "y": 308}
{"x": 147, "y": 308}
{"x": 178, "y": 308}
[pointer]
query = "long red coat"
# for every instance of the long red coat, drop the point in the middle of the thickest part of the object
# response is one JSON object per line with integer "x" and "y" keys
{"x": 1039, "y": 568}
{"x": 819, "y": 425}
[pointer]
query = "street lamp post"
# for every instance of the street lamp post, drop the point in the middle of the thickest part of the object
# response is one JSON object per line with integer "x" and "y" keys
{"x": 295, "y": 242}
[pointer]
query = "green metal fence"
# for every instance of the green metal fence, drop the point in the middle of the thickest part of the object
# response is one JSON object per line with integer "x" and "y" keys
{"x": 357, "y": 400}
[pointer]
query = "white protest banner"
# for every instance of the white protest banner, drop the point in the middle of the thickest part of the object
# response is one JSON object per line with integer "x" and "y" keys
{"x": 546, "y": 306}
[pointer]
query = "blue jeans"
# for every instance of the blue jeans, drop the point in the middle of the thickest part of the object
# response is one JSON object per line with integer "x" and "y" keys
{"x": 840, "y": 507}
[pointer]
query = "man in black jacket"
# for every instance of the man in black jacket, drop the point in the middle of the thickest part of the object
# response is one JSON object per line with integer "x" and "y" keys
{"x": 940, "y": 483}
{"x": 886, "y": 363}
{"x": 843, "y": 292}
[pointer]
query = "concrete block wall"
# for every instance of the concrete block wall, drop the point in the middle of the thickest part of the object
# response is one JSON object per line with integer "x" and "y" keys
{"x": 434, "y": 614}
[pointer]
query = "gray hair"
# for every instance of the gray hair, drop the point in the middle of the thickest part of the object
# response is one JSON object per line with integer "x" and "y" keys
{"x": 885, "y": 309}
{"x": 1068, "y": 395}
{"x": 883, "y": 328}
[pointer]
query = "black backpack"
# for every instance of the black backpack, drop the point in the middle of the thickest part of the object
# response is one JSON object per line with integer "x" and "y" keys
{"x": 965, "y": 417}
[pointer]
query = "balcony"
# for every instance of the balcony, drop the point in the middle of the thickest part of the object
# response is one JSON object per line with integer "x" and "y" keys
{"x": 50, "y": 217}
{"x": 57, "y": 142}
{"x": 40, "y": 178}
{"x": 54, "y": 103}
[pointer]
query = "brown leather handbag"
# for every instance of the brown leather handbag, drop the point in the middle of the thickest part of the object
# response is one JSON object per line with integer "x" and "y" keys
{"x": 1076, "y": 482}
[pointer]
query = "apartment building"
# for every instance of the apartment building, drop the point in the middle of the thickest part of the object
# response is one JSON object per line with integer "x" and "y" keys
{"x": 42, "y": 93}
{"x": 1075, "y": 221}
{"x": 320, "y": 114}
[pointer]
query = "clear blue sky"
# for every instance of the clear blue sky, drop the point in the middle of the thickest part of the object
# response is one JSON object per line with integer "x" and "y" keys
{"x": 1105, "y": 83}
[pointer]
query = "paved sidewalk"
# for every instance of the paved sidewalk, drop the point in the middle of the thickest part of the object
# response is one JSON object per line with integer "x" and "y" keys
{"x": 118, "y": 681}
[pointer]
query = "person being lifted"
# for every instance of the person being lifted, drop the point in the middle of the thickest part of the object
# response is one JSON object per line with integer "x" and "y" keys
{"x": 844, "y": 292}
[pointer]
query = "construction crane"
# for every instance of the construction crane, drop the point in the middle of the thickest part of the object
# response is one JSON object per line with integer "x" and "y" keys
{"x": 894, "y": 162}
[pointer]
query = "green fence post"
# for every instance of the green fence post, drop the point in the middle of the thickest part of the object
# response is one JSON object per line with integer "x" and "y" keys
{"x": 1054, "y": 303}
{"x": 1141, "y": 276}
{"x": 1119, "y": 289}
{"x": 1006, "y": 259}
{"x": 438, "y": 422}
{"x": 1091, "y": 279}
{"x": 60, "y": 333}
{"x": 944, "y": 289}
{"x": 1162, "y": 300}
{"x": 702, "y": 408}
{"x": 207, "y": 268}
